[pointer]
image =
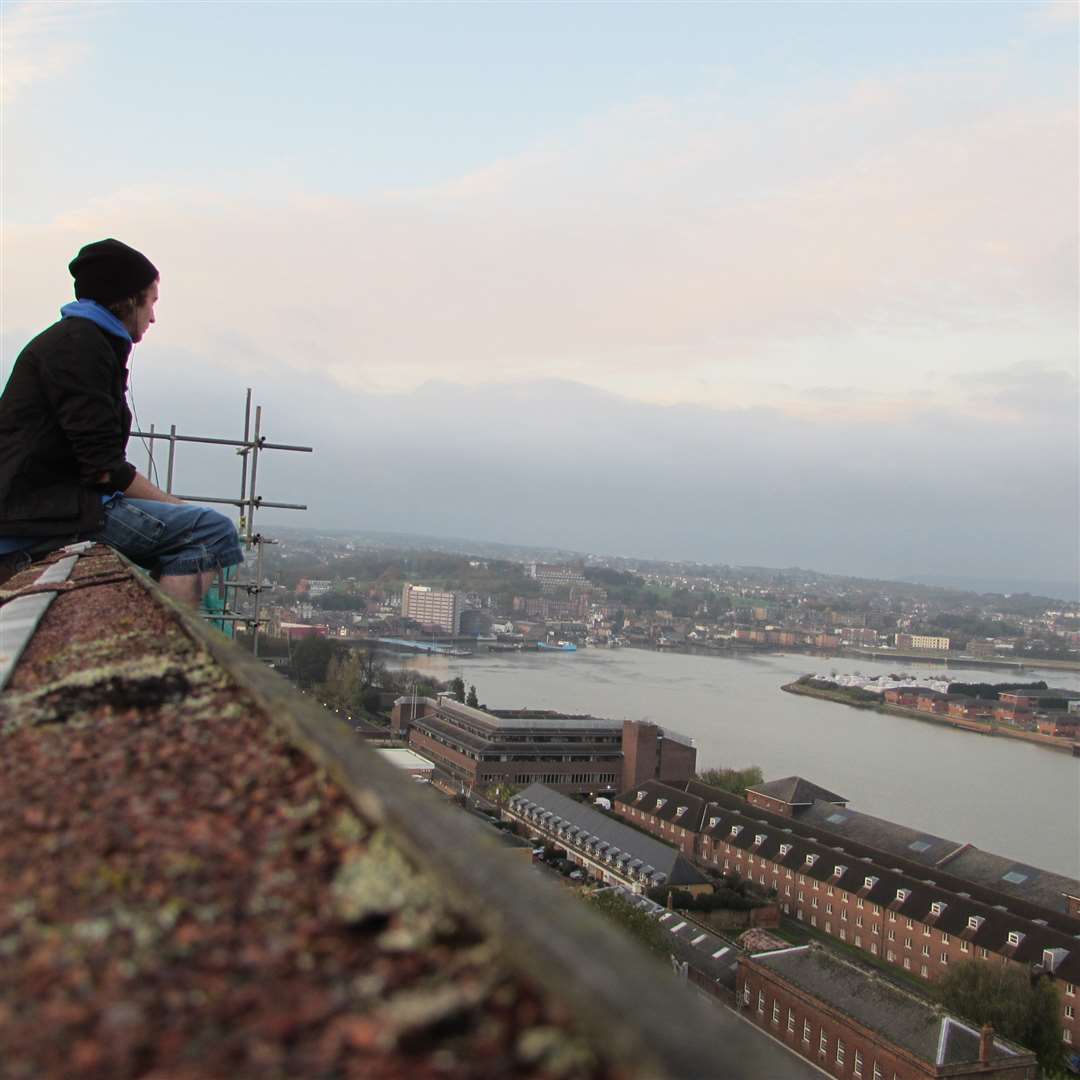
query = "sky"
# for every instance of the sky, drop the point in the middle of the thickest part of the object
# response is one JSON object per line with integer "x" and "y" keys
{"x": 771, "y": 284}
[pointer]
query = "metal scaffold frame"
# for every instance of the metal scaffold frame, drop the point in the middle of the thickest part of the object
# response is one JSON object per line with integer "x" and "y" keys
{"x": 252, "y": 444}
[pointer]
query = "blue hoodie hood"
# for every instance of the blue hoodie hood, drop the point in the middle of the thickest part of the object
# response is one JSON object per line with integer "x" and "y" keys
{"x": 101, "y": 316}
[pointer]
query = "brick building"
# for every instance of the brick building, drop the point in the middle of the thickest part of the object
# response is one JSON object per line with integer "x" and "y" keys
{"x": 916, "y": 901}
{"x": 790, "y": 795}
{"x": 572, "y": 754}
{"x": 851, "y": 1022}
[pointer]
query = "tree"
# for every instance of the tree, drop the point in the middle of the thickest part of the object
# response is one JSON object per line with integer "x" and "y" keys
{"x": 472, "y": 699}
{"x": 636, "y": 923}
{"x": 735, "y": 781}
{"x": 310, "y": 659}
{"x": 457, "y": 688}
{"x": 1005, "y": 997}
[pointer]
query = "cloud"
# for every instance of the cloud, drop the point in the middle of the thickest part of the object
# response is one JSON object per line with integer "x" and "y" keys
{"x": 38, "y": 41}
{"x": 875, "y": 237}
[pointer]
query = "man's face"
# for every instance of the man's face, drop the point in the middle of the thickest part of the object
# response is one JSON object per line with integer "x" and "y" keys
{"x": 143, "y": 316}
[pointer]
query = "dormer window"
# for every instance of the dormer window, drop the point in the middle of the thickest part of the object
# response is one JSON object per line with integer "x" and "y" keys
{"x": 759, "y": 838}
{"x": 784, "y": 849}
{"x": 1053, "y": 957}
{"x": 661, "y": 803}
{"x": 869, "y": 882}
{"x": 679, "y": 811}
{"x": 641, "y": 795}
{"x": 811, "y": 859}
{"x": 902, "y": 894}
{"x": 839, "y": 871}
{"x": 736, "y": 829}
{"x": 937, "y": 907}
{"x": 975, "y": 921}
{"x": 1015, "y": 937}
{"x": 713, "y": 822}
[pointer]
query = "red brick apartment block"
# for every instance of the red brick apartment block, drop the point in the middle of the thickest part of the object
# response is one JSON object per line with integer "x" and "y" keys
{"x": 851, "y": 1022}
{"x": 787, "y": 796}
{"x": 918, "y": 916}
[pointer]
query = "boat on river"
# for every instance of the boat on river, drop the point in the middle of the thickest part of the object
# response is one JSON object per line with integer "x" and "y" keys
{"x": 556, "y": 646}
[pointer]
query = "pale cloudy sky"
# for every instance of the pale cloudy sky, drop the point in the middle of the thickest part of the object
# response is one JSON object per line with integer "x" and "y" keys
{"x": 723, "y": 261}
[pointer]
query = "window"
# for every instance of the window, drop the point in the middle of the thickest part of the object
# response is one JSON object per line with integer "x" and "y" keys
{"x": 857, "y": 1069}
{"x": 1068, "y": 1012}
{"x": 746, "y": 994}
{"x": 1070, "y": 989}
{"x": 944, "y": 939}
{"x": 806, "y": 1032}
{"x": 858, "y": 920}
{"x": 813, "y": 901}
{"x": 823, "y": 1044}
{"x": 963, "y": 945}
{"x": 791, "y": 1019}
{"x": 843, "y": 934}
{"x": 926, "y": 950}
{"x": 1066, "y": 1036}
{"x": 878, "y": 1074}
{"x": 892, "y": 918}
{"x": 910, "y": 923}
{"x": 926, "y": 931}
{"x": 828, "y": 927}
{"x": 817, "y": 886}
{"x": 984, "y": 954}
{"x": 859, "y": 903}
{"x": 944, "y": 957}
{"x": 828, "y": 909}
{"x": 891, "y": 935}
{"x": 876, "y": 929}
{"x": 801, "y": 894}
{"x": 924, "y": 972}
{"x": 776, "y": 1012}
{"x": 839, "y": 1052}
{"x": 890, "y": 956}
{"x": 907, "y": 963}
{"x": 873, "y": 947}
{"x": 858, "y": 941}
{"x": 813, "y": 920}
{"x": 843, "y": 914}
{"x": 761, "y": 1002}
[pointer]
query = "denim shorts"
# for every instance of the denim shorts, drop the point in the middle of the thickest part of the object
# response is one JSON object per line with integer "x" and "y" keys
{"x": 170, "y": 539}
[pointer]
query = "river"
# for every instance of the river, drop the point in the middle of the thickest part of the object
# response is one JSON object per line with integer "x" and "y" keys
{"x": 1000, "y": 794}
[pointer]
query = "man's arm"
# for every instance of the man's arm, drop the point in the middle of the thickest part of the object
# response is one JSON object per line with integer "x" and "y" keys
{"x": 141, "y": 488}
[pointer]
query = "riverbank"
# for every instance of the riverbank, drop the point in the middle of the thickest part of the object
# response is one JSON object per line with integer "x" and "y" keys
{"x": 884, "y": 656}
{"x": 1052, "y": 742}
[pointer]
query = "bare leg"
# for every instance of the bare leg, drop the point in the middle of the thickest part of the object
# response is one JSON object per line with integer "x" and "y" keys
{"x": 187, "y": 588}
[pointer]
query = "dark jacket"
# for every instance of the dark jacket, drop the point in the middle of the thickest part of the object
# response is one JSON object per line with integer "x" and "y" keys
{"x": 64, "y": 423}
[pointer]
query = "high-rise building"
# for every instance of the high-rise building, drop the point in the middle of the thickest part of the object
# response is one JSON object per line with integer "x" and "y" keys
{"x": 432, "y": 607}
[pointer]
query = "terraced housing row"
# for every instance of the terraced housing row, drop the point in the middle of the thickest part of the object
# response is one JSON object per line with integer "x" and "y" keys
{"x": 916, "y": 901}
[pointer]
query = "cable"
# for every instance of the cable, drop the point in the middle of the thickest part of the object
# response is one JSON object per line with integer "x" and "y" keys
{"x": 153, "y": 478}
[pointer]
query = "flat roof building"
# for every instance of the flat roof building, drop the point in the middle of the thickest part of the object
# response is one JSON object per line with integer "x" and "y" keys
{"x": 432, "y": 607}
{"x": 575, "y": 754}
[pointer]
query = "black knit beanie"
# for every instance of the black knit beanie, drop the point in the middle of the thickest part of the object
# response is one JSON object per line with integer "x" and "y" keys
{"x": 107, "y": 271}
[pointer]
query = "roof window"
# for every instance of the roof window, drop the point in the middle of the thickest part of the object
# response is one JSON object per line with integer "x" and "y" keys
{"x": 902, "y": 894}
{"x": 975, "y": 921}
{"x": 838, "y": 870}
{"x": 680, "y": 810}
{"x": 811, "y": 859}
{"x": 1015, "y": 937}
{"x": 736, "y": 829}
{"x": 937, "y": 907}
{"x": 784, "y": 849}
{"x": 869, "y": 882}
{"x": 759, "y": 838}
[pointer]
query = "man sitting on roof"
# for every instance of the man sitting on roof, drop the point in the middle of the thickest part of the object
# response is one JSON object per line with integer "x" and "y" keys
{"x": 64, "y": 426}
